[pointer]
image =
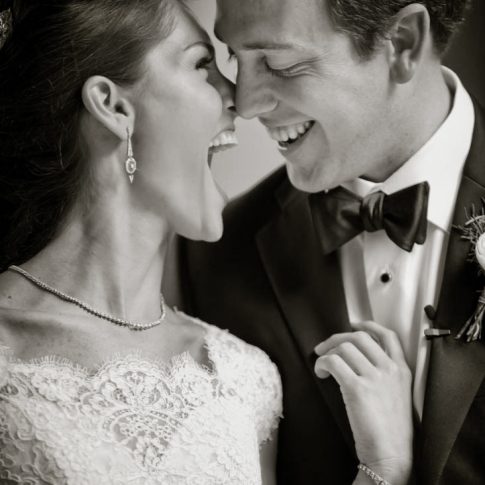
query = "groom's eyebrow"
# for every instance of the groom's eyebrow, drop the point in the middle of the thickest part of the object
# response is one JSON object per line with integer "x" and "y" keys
{"x": 263, "y": 45}
{"x": 268, "y": 46}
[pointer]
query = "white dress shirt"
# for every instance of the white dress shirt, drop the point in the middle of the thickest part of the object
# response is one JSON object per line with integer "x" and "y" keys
{"x": 389, "y": 285}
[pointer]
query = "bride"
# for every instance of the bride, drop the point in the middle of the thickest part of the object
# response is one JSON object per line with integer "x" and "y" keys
{"x": 108, "y": 110}
{"x": 110, "y": 113}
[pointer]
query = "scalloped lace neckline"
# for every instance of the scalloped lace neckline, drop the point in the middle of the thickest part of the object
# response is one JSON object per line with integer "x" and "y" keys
{"x": 139, "y": 420}
{"x": 181, "y": 359}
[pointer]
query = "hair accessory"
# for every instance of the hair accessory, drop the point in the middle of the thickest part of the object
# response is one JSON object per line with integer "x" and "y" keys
{"x": 5, "y": 21}
{"x": 372, "y": 475}
{"x": 130, "y": 164}
{"x": 90, "y": 309}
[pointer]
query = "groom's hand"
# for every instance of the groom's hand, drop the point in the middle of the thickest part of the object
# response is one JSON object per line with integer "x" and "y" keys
{"x": 375, "y": 382}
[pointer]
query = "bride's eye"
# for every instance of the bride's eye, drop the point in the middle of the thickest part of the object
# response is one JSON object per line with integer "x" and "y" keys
{"x": 204, "y": 62}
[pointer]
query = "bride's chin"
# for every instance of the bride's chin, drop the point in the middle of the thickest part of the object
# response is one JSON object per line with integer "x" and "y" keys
{"x": 213, "y": 224}
{"x": 213, "y": 236}
{"x": 212, "y": 231}
{"x": 209, "y": 227}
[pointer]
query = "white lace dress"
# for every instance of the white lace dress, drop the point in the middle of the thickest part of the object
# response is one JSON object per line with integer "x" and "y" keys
{"x": 135, "y": 421}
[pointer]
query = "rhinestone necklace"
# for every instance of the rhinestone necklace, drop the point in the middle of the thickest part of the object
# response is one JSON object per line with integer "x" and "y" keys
{"x": 89, "y": 309}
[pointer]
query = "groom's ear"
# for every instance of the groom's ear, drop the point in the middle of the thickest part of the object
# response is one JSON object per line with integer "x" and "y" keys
{"x": 109, "y": 105}
{"x": 409, "y": 40}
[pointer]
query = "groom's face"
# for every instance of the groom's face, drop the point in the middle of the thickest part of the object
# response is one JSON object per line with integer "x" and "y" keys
{"x": 325, "y": 106}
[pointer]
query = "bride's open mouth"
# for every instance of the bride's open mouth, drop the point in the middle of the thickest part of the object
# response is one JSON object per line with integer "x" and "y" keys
{"x": 225, "y": 140}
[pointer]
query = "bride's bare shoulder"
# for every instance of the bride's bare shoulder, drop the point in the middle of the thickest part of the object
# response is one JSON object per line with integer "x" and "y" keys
{"x": 13, "y": 332}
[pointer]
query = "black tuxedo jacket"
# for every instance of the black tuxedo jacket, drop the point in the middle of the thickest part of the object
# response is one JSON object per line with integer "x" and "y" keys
{"x": 268, "y": 282}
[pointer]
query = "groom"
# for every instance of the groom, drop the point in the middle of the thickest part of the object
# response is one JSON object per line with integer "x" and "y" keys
{"x": 355, "y": 95}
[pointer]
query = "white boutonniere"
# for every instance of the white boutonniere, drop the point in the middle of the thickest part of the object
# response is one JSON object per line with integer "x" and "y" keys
{"x": 474, "y": 231}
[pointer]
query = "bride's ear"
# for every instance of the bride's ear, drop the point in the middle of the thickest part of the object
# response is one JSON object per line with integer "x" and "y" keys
{"x": 109, "y": 105}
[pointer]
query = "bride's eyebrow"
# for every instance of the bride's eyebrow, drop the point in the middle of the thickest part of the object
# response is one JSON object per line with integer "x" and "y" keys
{"x": 201, "y": 43}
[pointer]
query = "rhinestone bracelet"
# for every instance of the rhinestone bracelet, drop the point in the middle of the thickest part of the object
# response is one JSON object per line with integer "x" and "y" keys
{"x": 374, "y": 476}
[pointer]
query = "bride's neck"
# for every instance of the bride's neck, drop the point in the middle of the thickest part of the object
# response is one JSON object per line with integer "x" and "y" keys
{"x": 111, "y": 257}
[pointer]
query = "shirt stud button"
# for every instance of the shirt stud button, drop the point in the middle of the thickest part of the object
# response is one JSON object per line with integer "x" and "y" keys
{"x": 386, "y": 277}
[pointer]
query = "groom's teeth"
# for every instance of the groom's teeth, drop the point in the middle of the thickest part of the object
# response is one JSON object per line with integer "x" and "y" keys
{"x": 223, "y": 140}
{"x": 283, "y": 134}
{"x": 292, "y": 132}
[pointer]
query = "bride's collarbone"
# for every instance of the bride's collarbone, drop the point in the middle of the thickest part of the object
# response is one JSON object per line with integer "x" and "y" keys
{"x": 90, "y": 341}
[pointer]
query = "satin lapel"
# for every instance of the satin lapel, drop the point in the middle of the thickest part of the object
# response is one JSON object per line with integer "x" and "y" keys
{"x": 456, "y": 368}
{"x": 308, "y": 287}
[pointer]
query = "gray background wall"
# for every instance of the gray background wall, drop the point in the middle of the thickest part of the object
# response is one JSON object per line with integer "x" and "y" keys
{"x": 256, "y": 155}
{"x": 467, "y": 53}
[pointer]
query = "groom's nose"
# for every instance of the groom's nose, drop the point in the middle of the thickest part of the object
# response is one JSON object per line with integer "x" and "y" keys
{"x": 253, "y": 95}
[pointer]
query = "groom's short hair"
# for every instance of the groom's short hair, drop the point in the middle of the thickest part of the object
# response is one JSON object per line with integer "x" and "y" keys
{"x": 367, "y": 21}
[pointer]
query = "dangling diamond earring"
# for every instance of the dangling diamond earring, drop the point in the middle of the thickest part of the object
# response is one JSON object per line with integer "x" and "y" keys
{"x": 130, "y": 164}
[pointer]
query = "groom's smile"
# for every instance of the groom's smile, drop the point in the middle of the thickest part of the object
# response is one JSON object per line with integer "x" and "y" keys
{"x": 296, "y": 68}
{"x": 287, "y": 135}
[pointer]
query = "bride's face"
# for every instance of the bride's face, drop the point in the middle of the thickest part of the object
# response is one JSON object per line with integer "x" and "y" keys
{"x": 182, "y": 106}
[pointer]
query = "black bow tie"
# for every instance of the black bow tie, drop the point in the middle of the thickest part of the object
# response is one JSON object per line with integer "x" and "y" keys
{"x": 339, "y": 215}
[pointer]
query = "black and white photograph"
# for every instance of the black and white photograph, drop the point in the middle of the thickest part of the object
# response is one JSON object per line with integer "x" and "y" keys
{"x": 242, "y": 242}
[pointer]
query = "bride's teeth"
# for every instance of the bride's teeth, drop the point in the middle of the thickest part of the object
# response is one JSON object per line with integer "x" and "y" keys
{"x": 224, "y": 139}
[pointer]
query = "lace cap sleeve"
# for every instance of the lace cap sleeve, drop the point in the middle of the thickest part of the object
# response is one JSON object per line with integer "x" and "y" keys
{"x": 267, "y": 395}
{"x": 255, "y": 377}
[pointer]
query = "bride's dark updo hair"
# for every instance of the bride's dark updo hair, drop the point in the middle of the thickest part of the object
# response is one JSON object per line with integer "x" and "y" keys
{"x": 53, "y": 48}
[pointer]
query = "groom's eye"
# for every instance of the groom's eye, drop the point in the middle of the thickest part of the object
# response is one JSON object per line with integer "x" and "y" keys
{"x": 281, "y": 72}
{"x": 287, "y": 70}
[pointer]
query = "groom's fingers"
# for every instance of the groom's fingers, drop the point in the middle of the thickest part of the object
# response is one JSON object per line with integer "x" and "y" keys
{"x": 388, "y": 339}
{"x": 360, "y": 339}
{"x": 354, "y": 358}
{"x": 334, "y": 365}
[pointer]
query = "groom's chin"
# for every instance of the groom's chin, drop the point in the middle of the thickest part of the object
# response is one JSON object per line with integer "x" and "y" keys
{"x": 311, "y": 180}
